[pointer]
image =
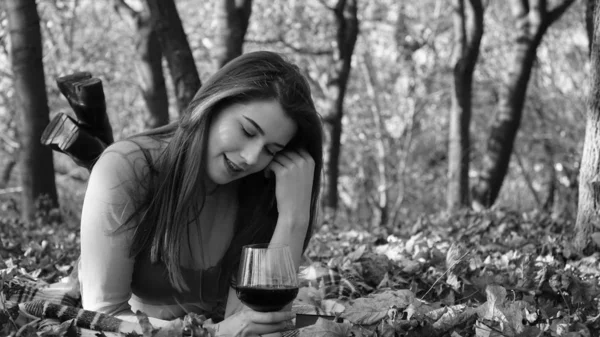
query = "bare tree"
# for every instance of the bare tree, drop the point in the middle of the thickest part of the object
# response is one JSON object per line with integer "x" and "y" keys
{"x": 381, "y": 144}
{"x": 533, "y": 17}
{"x": 175, "y": 47}
{"x": 346, "y": 17}
{"x": 588, "y": 211}
{"x": 148, "y": 65}
{"x": 589, "y": 21}
{"x": 468, "y": 30}
{"x": 233, "y": 17}
{"x": 37, "y": 166}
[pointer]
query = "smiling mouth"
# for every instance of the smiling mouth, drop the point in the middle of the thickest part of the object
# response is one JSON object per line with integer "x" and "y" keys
{"x": 231, "y": 166}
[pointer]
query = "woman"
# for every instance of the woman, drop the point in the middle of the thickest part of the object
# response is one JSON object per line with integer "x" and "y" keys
{"x": 167, "y": 212}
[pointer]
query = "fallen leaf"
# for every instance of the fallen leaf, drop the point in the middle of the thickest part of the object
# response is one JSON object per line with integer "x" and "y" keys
{"x": 373, "y": 308}
{"x": 596, "y": 238}
{"x": 309, "y": 296}
{"x": 325, "y": 328}
{"x": 358, "y": 253}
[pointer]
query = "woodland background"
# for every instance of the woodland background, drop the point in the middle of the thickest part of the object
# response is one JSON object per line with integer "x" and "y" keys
{"x": 396, "y": 109}
{"x": 432, "y": 134}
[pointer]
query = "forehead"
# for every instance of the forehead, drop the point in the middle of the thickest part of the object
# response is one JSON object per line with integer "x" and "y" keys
{"x": 268, "y": 115}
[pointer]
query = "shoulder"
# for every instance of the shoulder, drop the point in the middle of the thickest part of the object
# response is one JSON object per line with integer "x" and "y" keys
{"x": 124, "y": 162}
{"x": 133, "y": 156}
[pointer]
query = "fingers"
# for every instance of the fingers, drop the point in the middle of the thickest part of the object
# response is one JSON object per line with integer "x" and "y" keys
{"x": 268, "y": 323}
{"x": 273, "y": 329}
{"x": 271, "y": 317}
{"x": 292, "y": 158}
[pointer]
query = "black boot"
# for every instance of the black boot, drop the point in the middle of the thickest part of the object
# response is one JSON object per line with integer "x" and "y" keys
{"x": 65, "y": 135}
{"x": 86, "y": 96}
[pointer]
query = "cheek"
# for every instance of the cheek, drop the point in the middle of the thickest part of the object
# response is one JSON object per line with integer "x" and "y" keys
{"x": 223, "y": 140}
{"x": 262, "y": 164}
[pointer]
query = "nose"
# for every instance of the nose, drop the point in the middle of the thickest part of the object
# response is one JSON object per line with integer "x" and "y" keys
{"x": 251, "y": 153}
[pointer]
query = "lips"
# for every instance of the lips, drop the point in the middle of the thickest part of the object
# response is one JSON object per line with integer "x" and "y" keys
{"x": 231, "y": 166}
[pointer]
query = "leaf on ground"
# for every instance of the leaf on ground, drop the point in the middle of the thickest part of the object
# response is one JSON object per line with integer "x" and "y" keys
{"x": 453, "y": 316}
{"x": 309, "y": 296}
{"x": 487, "y": 329}
{"x": 508, "y": 316}
{"x": 386, "y": 330}
{"x": 358, "y": 253}
{"x": 71, "y": 330}
{"x": 172, "y": 329}
{"x": 332, "y": 307}
{"x": 326, "y": 328}
{"x": 27, "y": 331}
{"x": 596, "y": 238}
{"x": 455, "y": 334}
{"x": 144, "y": 322}
{"x": 418, "y": 309}
{"x": 385, "y": 282}
{"x": 409, "y": 266}
{"x": 375, "y": 267}
{"x": 373, "y": 308}
{"x": 394, "y": 251}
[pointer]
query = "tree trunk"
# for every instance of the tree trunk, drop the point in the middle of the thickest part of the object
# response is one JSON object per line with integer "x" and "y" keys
{"x": 347, "y": 33}
{"x": 37, "y": 166}
{"x": 589, "y": 22}
{"x": 588, "y": 211}
{"x": 176, "y": 49}
{"x": 233, "y": 17}
{"x": 533, "y": 21}
{"x": 148, "y": 65}
{"x": 468, "y": 38}
{"x": 381, "y": 147}
{"x": 551, "y": 190}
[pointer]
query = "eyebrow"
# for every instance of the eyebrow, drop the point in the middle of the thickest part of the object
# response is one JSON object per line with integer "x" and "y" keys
{"x": 260, "y": 130}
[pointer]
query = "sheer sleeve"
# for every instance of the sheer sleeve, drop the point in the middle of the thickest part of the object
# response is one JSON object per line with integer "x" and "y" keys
{"x": 105, "y": 270}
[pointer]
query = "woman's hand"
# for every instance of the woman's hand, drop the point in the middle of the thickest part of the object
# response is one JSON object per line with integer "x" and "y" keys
{"x": 248, "y": 323}
{"x": 294, "y": 172}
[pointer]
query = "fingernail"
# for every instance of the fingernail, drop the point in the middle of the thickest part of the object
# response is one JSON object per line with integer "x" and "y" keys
{"x": 292, "y": 315}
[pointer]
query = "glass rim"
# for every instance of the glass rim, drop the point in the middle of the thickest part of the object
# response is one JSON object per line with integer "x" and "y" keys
{"x": 265, "y": 246}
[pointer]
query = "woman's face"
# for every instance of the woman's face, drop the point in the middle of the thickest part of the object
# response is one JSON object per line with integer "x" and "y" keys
{"x": 244, "y": 137}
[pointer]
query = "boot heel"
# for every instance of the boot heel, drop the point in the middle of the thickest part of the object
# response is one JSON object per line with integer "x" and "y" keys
{"x": 58, "y": 131}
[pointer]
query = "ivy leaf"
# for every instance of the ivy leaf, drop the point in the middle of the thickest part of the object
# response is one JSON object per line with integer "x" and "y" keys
{"x": 326, "y": 328}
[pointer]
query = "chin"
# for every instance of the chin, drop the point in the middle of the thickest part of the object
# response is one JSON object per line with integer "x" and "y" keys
{"x": 217, "y": 179}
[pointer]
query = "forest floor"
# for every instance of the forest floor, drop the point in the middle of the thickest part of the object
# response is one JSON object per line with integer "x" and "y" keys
{"x": 486, "y": 274}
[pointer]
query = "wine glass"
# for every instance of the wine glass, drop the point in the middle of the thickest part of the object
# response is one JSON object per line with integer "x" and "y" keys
{"x": 267, "y": 279}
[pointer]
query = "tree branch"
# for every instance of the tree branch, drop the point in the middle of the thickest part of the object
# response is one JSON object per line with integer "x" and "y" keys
{"x": 326, "y": 5}
{"x": 527, "y": 179}
{"x": 475, "y": 31}
{"x": 121, "y": 5}
{"x": 557, "y": 11}
{"x": 301, "y": 50}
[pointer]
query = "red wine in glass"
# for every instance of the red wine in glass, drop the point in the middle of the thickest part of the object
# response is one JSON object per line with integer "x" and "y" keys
{"x": 267, "y": 279}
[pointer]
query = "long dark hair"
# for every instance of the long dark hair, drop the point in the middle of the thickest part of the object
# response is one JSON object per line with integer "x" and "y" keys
{"x": 176, "y": 190}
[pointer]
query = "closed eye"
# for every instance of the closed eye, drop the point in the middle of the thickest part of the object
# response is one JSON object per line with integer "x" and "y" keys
{"x": 252, "y": 135}
{"x": 247, "y": 133}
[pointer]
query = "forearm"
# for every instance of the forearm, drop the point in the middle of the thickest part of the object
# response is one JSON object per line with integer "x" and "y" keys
{"x": 131, "y": 321}
{"x": 291, "y": 230}
{"x": 233, "y": 303}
